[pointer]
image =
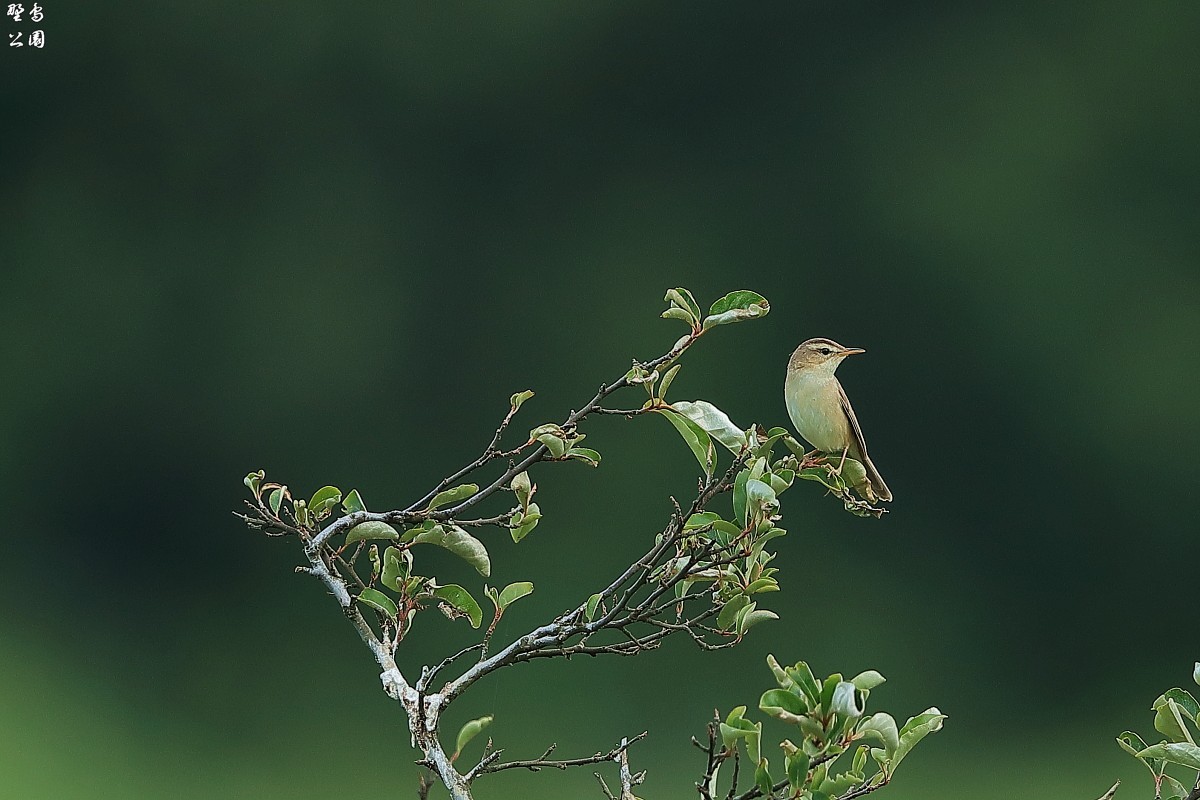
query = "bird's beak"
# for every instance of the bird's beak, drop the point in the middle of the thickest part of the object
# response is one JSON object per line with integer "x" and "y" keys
{"x": 851, "y": 351}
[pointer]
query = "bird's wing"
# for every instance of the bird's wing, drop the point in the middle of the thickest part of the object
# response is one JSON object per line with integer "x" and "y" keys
{"x": 858, "y": 435}
{"x": 861, "y": 444}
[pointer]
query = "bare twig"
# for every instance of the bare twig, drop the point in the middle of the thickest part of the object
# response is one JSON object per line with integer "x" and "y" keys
{"x": 545, "y": 762}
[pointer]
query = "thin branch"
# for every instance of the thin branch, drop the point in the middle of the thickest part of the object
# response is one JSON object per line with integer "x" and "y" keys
{"x": 573, "y": 419}
{"x": 488, "y": 454}
{"x": 429, "y": 673}
{"x": 545, "y": 762}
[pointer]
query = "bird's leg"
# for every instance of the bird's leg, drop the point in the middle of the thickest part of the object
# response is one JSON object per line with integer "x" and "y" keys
{"x": 841, "y": 462}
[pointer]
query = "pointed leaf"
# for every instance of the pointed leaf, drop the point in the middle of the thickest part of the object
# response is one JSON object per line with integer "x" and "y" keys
{"x": 254, "y": 481}
{"x": 592, "y": 603}
{"x": 469, "y": 731}
{"x": 454, "y": 495}
{"x": 736, "y": 307}
{"x": 275, "y": 500}
{"x": 695, "y": 437}
{"x": 396, "y": 566}
{"x": 882, "y": 727}
{"x": 459, "y": 542}
{"x": 324, "y": 498}
{"x": 1185, "y": 754}
{"x": 353, "y": 502}
{"x": 782, "y": 704}
{"x": 868, "y": 680}
{"x": 762, "y": 778}
{"x": 584, "y": 454}
{"x": 522, "y": 487}
{"x": 916, "y": 729}
{"x": 378, "y": 601}
{"x": 682, "y": 299}
{"x": 461, "y": 601}
{"x": 797, "y": 770}
{"x": 714, "y": 422}
{"x": 519, "y": 398}
{"x": 525, "y": 522}
{"x": 752, "y": 617}
{"x": 845, "y": 701}
{"x": 514, "y": 592}
{"x": 667, "y": 377}
{"x": 739, "y": 495}
{"x": 364, "y": 531}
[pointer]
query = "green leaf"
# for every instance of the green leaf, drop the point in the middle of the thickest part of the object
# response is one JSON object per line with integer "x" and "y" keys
{"x": 1184, "y": 754}
{"x": 845, "y": 701}
{"x": 681, "y": 314}
{"x": 518, "y": 399}
{"x": 739, "y": 495}
{"x": 324, "y": 498}
{"x": 396, "y": 566}
{"x": 704, "y": 519}
{"x": 1131, "y": 743}
{"x": 1182, "y": 698}
{"x": 725, "y": 532}
{"x": 554, "y": 443}
{"x": 916, "y": 729}
{"x": 378, "y": 601}
{"x": 514, "y": 592}
{"x": 882, "y": 727}
{"x": 762, "y": 778}
{"x": 592, "y": 603}
{"x": 751, "y": 616}
{"x": 525, "y": 522}
{"x": 454, "y": 495}
{"x": 522, "y": 487}
{"x": 469, "y": 731}
{"x": 714, "y": 422}
{"x": 275, "y": 500}
{"x": 353, "y": 502}
{"x": 459, "y": 542}
{"x": 736, "y": 307}
{"x": 371, "y": 530}
{"x": 797, "y": 770}
{"x": 667, "y": 377}
{"x": 729, "y": 612}
{"x": 682, "y": 299}
{"x": 781, "y": 676}
{"x": 860, "y": 759}
{"x": 373, "y": 557}
{"x": 254, "y": 480}
{"x": 803, "y": 676}
{"x": 866, "y": 681}
{"x": 1196, "y": 673}
{"x": 461, "y": 601}
{"x": 760, "y": 499}
{"x": 695, "y": 437}
{"x": 762, "y": 585}
{"x": 1168, "y": 719}
{"x": 1174, "y": 789}
{"x": 782, "y": 704}
{"x": 584, "y": 454}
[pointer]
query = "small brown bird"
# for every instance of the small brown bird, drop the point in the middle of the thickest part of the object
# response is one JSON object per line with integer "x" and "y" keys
{"x": 820, "y": 410}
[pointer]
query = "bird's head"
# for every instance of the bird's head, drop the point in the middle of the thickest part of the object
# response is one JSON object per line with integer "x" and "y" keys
{"x": 820, "y": 355}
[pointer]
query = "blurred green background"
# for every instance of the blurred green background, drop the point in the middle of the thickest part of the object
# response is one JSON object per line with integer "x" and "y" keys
{"x": 330, "y": 240}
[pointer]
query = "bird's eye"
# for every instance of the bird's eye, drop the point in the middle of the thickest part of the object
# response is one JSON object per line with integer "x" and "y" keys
{"x": 825, "y": 351}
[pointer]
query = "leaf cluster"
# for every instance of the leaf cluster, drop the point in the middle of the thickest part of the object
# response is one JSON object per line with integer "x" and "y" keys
{"x": 828, "y": 717}
{"x": 1177, "y": 717}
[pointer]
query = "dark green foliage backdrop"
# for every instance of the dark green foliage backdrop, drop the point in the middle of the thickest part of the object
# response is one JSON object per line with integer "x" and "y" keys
{"x": 330, "y": 240}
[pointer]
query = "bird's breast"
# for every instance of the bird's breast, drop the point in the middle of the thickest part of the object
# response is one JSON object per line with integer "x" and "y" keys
{"x": 815, "y": 406}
